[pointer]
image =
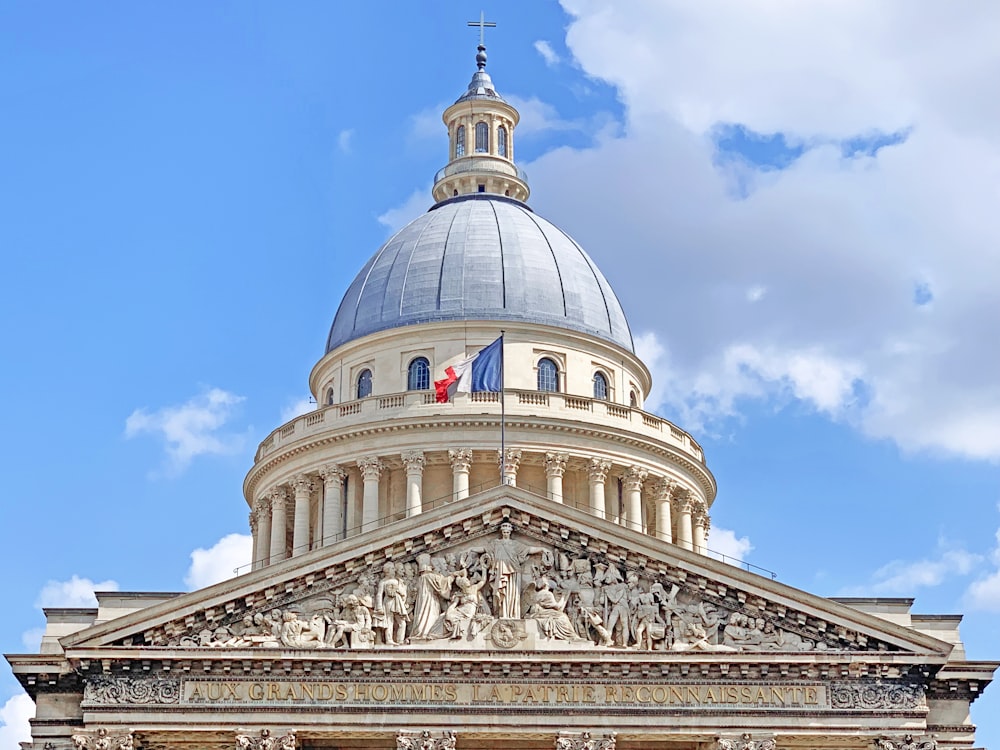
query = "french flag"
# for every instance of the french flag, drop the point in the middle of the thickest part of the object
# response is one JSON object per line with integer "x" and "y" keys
{"x": 483, "y": 371}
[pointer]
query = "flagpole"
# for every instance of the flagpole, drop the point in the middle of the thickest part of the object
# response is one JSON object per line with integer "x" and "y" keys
{"x": 503, "y": 414}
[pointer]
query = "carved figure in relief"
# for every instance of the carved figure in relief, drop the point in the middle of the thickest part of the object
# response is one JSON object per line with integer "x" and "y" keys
{"x": 506, "y": 558}
{"x": 464, "y": 606}
{"x": 647, "y": 618}
{"x": 433, "y": 589}
{"x": 616, "y": 605}
{"x": 296, "y": 633}
{"x": 103, "y": 742}
{"x": 391, "y": 615}
{"x": 548, "y": 611}
{"x": 588, "y": 614}
{"x": 355, "y": 629}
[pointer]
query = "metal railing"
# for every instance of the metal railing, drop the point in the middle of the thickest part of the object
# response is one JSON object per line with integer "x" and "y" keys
{"x": 542, "y": 493}
{"x": 482, "y": 163}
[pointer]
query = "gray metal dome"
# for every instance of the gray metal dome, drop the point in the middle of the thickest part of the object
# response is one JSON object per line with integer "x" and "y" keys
{"x": 480, "y": 257}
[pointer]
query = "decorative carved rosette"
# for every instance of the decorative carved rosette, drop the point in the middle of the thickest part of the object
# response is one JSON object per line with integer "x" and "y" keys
{"x": 585, "y": 741}
{"x": 426, "y": 740}
{"x": 104, "y": 690}
{"x": 265, "y": 741}
{"x": 103, "y": 740}
{"x": 876, "y": 696}
{"x": 744, "y": 742}
{"x": 905, "y": 742}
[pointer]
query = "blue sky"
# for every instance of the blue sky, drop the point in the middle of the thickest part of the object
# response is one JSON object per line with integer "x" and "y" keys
{"x": 797, "y": 211}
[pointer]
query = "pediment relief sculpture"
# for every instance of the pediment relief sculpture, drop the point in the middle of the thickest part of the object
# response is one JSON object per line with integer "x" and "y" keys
{"x": 502, "y": 590}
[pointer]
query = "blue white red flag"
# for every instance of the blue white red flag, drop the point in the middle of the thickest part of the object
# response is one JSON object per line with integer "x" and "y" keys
{"x": 483, "y": 371}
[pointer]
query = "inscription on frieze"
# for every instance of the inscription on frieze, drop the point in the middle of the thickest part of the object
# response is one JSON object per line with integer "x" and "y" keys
{"x": 505, "y": 694}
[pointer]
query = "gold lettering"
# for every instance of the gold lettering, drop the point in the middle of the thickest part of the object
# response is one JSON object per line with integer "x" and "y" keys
{"x": 307, "y": 689}
{"x": 812, "y": 696}
{"x": 272, "y": 691}
{"x": 562, "y": 694}
{"x": 710, "y": 696}
{"x": 379, "y": 692}
{"x": 360, "y": 691}
{"x": 639, "y": 694}
{"x": 777, "y": 696}
{"x": 495, "y": 695}
{"x": 255, "y": 691}
{"x": 659, "y": 694}
{"x": 324, "y": 691}
{"x": 610, "y": 694}
{"x": 290, "y": 693}
{"x": 675, "y": 695}
{"x": 196, "y": 693}
{"x": 589, "y": 694}
{"x": 692, "y": 696}
{"x": 214, "y": 691}
{"x": 451, "y": 692}
{"x": 340, "y": 691}
{"x": 628, "y": 694}
{"x": 746, "y": 695}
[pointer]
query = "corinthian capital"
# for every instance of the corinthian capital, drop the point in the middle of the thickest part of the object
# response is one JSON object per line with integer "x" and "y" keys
{"x": 371, "y": 467}
{"x": 683, "y": 500}
{"x": 598, "y": 469}
{"x": 634, "y": 476}
{"x": 461, "y": 459}
{"x": 277, "y": 497}
{"x": 555, "y": 464}
{"x": 262, "y": 506}
{"x": 302, "y": 484}
{"x": 663, "y": 489}
{"x": 414, "y": 462}
{"x": 332, "y": 475}
{"x": 510, "y": 461}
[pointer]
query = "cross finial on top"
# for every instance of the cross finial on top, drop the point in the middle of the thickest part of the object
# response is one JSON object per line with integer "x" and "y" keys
{"x": 483, "y": 24}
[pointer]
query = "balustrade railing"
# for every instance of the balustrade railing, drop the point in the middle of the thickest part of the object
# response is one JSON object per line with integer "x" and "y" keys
{"x": 518, "y": 403}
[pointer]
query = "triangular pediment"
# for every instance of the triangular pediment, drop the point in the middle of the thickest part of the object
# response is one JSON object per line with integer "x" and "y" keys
{"x": 460, "y": 578}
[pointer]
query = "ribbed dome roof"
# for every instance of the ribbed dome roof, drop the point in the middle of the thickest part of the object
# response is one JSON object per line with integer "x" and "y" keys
{"x": 480, "y": 257}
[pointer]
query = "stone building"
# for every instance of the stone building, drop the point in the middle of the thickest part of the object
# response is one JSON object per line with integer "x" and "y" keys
{"x": 523, "y": 568}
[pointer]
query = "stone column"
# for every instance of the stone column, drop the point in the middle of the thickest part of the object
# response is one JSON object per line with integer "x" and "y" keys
{"x": 300, "y": 523}
{"x": 333, "y": 503}
{"x": 509, "y": 464}
{"x": 371, "y": 470}
{"x": 634, "y": 477}
{"x": 263, "y": 546}
{"x": 598, "y": 471}
{"x": 256, "y": 540}
{"x": 555, "y": 467}
{"x": 682, "y": 507}
{"x": 461, "y": 462}
{"x": 278, "y": 524}
{"x": 699, "y": 520}
{"x": 662, "y": 491}
{"x": 414, "y": 463}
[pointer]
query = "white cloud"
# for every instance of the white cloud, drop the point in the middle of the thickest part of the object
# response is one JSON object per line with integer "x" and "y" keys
{"x": 397, "y": 218}
{"x": 344, "y": 138}
{"x": 190, "y": 429}
{"x": 984, "y": 593}
{"x": 548, "y": 54}
{"x": 76, "y": 592}
{"x": 220, "y": 561}
{"x": 906, "y": 576}
{"x": 723, "y": 544}
{"x": 296, "y": 409}
{"x": 839, "y": 239}
{"x": 14, "y": 716}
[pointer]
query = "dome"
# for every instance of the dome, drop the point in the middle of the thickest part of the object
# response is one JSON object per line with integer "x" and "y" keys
{"x": 480, "y": 257}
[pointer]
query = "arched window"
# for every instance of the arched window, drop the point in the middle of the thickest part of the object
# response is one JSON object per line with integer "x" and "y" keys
{"x": 365, "y": 383}
{"x": 633, "y": 399}
{"x": 482, "y": 138}
{"x": 548, "y": 375}
{"x": 418, "y": 375}
{"x": 460, "y": 141}
{"x": 600, "y": 386}
{"x": 502, "y": 140}
{"x": 329, "y": 396}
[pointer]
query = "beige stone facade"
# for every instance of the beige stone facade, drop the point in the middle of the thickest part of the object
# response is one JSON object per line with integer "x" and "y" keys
{"x": 528, "y": 568}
